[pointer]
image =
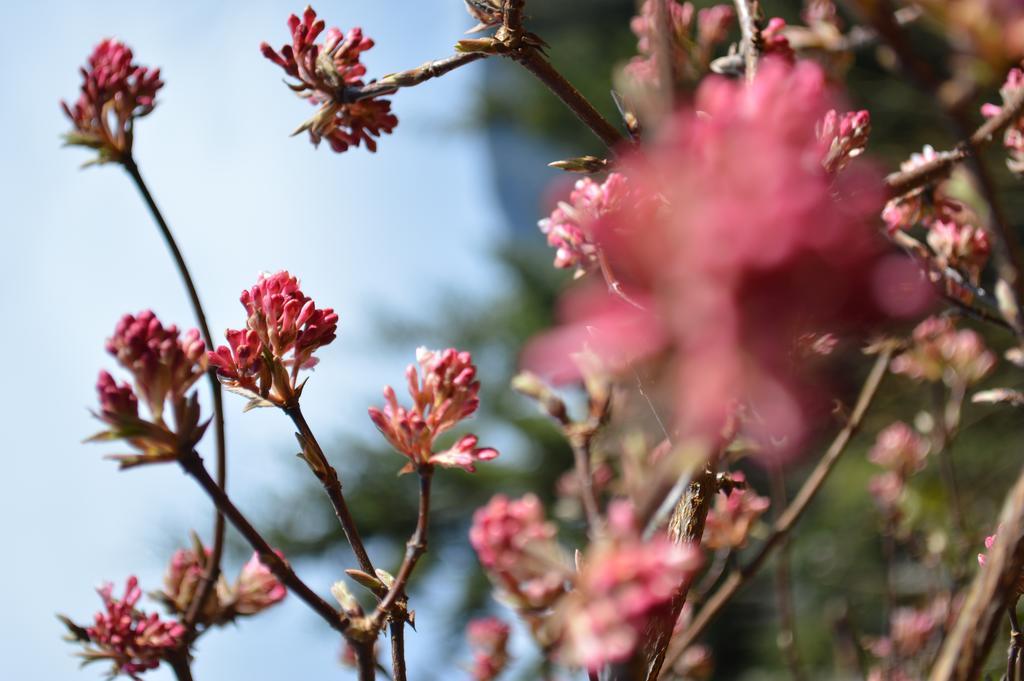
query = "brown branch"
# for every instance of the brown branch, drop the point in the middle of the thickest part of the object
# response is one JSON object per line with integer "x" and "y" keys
{"x": 192, "y": 464}
{"x": 393, "y": 82}
{"x": 748, "y": 13}
{"x": 785, "y": 522}
{"x": 582, "y": 460}
{"x": 393, "y": 605}
{"x": 209, "y": 577}
{"x": 512, "y": 14}
{"x": 992, "y": 591}
{"x": 179, "y": 664}
{"x": 314, "y": 455}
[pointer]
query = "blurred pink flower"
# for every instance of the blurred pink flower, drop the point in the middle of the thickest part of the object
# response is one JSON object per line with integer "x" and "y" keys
{"x": 903, "y": 212}
{"x": 940, "y": 352}
{"x": 488, "y": 637}
{"x": 728, "y": 524}
{"x": 117, "y": 401}
{"x": 446, "y": 394}
{"x": 622, "y": 581}
{"x": 686, "y": 48}
{"x": 283, "y": 329}
{"x": 900, "y": 449}
{"x": 256, "y": 589}
{"x": 516, "y": 546}
{"x": 131, "y": 640}
{"x": 774, "y": 40}
{"x": 115, "y": 92}
{"x": 961, "y": 246}
{"x": 887, "y": 490}
{"x": 754, "y": 244}
{"x": 182, "y": 578}
{"x": 326, "y": 74}
{"x": 1013, "y": 138}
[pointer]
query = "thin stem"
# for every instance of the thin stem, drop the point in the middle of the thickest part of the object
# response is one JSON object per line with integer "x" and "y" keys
{"x": 784, "y": 590}
{"x": 192, "y": 464}
{"x": 212, "y": 571}
{"x": 582, "y": 459}
{"x": 748, "y": 13}
{"x": 785, "y": 522}
{"x": 1013, "y": 654}
{"x": 391, "y": 83}
{"x": 397, "y": 630}
{"x": 328, "y": 477}
{"x": 414, "y": 548}
{"x": 366, "y": 662}
{"x": 512, "y": 14}
{"x": 533, "y": 61}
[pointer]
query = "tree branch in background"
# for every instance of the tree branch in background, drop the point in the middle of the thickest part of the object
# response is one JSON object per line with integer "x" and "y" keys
{"x": 212, "y": 571}
{"x": 785, "y": 522}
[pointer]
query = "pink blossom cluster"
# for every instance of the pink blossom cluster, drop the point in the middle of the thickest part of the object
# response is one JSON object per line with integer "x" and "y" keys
{"x": 1013, "y": 138}
{"x": 488, "y": 637}
{"x": 164, "y": 362}
{"x": 115, "y": 91}
{"x": 901, "y": 452}
{"x": 941, "y": 352}
{"x": 445, "y": 394}
{"x": 843, "y": 137}
{"x": 622, "y": 582}
{"x": 569, "y": 227}
{"x": 131, "y": 640}
{"x": 905, "y": 211}
{"x": 326, "y": 74}
{"x": 255, "y": 589}
{"x": 754, "y": 245}
{"x": 686, "y": 46}
{"x": 729, "y": 522}
{"x": 516, "y": 546}
{"x": 283, "y": 329}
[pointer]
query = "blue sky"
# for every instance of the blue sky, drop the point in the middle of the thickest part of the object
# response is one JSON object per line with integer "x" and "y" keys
{"x": 368, "y": 234}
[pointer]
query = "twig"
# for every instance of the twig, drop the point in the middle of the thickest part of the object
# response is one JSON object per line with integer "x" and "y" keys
{"x": 179, "y": 664}
{"x": 785, "y": 522}
{"x": 366, "y": 661}
{"x": 1013, "y": 654}
{"x": 512, "y": 14}
{"x": 748, "y": 13}
{"x": 212, "y": 571}
{"x": 993, "y": 589}
{"x": 192, "y": 464}
{"x": 582, "y": 459}
{"x": 392, "y": 82}
{"x": 328, "y": 477}
{"x": 397, "y": 631}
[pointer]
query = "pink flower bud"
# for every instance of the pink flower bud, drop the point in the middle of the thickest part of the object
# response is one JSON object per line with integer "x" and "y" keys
{"x": 962, "y": 246}
{"x": 900, "y": 449}
{"x": 116, "y": 401}
{"x": 1013, "y": 137}
{"x": 256, "y": 589}
{"x": 488, "y": 637}
{"x": 843, "y": 137}
{"x": 941, "y": 352}
{"x": 326, "y": 73}
{"x": 115, "y": 91}
{"x": 131, "y": 640}
{"x": 729, "y": 523}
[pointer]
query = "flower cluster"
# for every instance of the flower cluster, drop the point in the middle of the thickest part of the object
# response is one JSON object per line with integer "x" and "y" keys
{"x": 843, "y": 137}
{"x": 689, "y": 50}
{"x": 901, "y": 452}
{"x": 569, "y": 227}
{"x": 728, "y": 524}
{"x": 165, "y": 364}
{"x": 283, "y": 329}
{"x": 255, "y": 590}
{"x": 115, "y": 91}
{"x": 913, "y": 632}
{"x": 940, "y": 352}
{"x": 445, "y": 394}
{"x": 517, "y": 548}
{"x": 328, "y": 74}
{"x": 488, "y": 637}
{"x": 623, "y": 580}
{"x": 1013, "y": 138}
{"x": 132, "y": 641}
{"x": 751, "y": 247}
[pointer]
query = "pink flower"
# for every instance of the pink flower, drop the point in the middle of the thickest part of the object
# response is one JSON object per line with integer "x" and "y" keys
{"x": 843, "y": 137}
{"x": 728, "y": 524}
{"x": 446, "y": 394}
{"x": 327, "y": 74}
{"x": 488, "y": 637}
{"x": 283, "y": 329}
{"x": 131, "y": 640}
{"x": 516, "y": 546}
{"x": 774, "y": 39}
{"x": 903, "y": 212}
{"x": 115, "y": 91}
{"x": 900, "y": 449}
{"x": 117, "y": 401}
{"x": 1013, "y": 138}
{"x": 887, "y": 490}
{"x": 941, "y": 352}
{"x": 569, "y": 227}
{"x": 753, "y": 245}
{"x": 623, "y": 580}
{"x": 182, "y": 578}
{"x": 689, "y": 53}
{"x": 164, "y": 362}
{"x": 962, "y": 246}
{"x": 256, "y": 589}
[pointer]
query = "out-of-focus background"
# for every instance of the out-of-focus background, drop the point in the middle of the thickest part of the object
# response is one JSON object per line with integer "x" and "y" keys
{"x": 431, "y": 241}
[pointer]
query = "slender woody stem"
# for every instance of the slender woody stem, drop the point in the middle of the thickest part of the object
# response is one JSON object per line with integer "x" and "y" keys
{"x": 748, "y": 12}
{"x": 212, "y": 571}
{"x": 785, "y": 522}
{"x": 392, "y": 82}
{"x": 192, "y": 464}
{"x": 179, "y": 664}
{"x": 328, "y": 477}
